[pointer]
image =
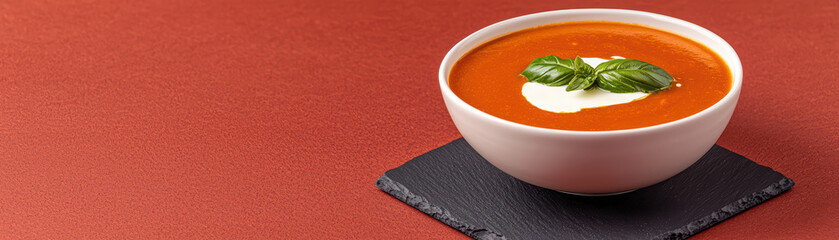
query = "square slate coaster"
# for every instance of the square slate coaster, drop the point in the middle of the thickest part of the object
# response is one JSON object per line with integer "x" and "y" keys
{"x": 456, "y": 186}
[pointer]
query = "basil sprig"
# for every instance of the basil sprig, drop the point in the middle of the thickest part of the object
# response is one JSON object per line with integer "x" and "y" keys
{"x": 617, "y": 75}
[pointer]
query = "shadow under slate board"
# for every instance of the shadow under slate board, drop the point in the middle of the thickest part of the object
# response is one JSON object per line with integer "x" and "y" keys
{"x": 456, "y": 186}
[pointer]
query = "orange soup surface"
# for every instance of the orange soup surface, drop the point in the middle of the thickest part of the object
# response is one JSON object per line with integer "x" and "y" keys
{"x": 488, "y": 77}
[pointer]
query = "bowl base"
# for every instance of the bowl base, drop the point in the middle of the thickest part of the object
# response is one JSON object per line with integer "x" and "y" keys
{"x": 596, "y": 194}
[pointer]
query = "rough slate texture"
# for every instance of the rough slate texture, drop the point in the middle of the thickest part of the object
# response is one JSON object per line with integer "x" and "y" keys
{"x": 457, "y": 186}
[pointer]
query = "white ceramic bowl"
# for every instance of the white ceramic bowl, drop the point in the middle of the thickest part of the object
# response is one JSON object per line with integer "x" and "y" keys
{"x": 577, "y": 161}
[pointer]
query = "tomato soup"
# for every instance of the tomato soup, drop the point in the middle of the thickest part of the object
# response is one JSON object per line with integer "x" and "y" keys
{"x": 488, "y": 77}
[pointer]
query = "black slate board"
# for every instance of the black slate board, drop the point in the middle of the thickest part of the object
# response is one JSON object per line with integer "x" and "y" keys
{"x": 456, "y": 186}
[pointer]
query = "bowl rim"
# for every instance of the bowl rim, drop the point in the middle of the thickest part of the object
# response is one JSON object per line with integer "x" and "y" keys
{"x": 735, "y": 66}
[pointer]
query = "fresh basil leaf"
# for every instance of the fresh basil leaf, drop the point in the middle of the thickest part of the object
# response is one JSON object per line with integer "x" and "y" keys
{"x": 581, "y": 83}
{"x": 618, "y": 75}
{"x": 550, "y": 70}
{"x": 583, "y": 77}
{"x": 630, "y": 75}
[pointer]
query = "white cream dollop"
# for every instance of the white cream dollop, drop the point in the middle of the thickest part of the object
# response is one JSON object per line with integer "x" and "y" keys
{"x": 556, "y": 99}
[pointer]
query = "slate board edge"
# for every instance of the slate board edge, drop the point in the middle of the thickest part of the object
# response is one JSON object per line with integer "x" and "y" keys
{"x": 729, "y": 210}
{"x": 402, "y": 193}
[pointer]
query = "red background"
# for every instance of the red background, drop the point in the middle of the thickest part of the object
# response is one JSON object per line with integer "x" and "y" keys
{"x": 273, "y": 119}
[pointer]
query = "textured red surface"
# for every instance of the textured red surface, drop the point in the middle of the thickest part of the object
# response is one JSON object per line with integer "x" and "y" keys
{"x": 242, "y": 119}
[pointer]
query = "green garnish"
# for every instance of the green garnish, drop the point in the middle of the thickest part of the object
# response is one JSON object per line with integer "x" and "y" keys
{"x": 616, "y": 75}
